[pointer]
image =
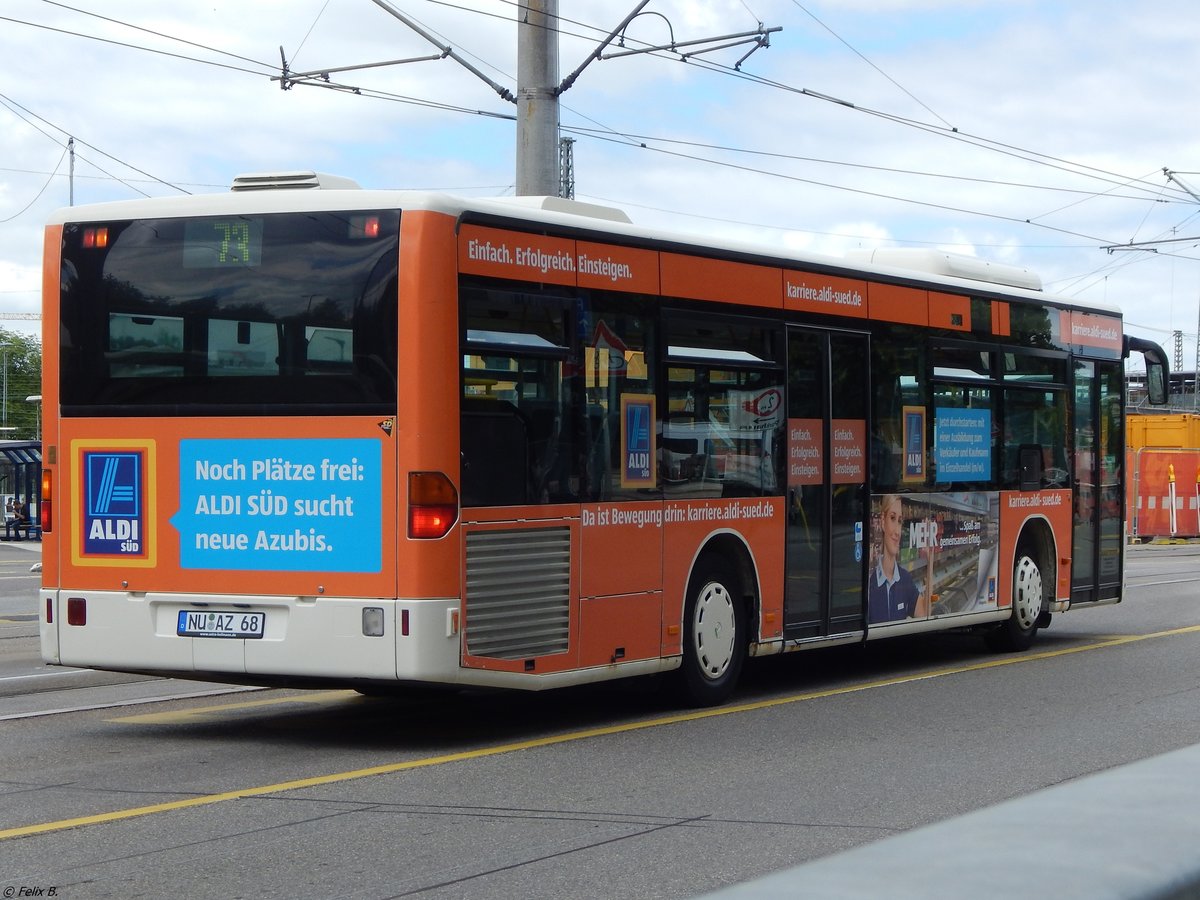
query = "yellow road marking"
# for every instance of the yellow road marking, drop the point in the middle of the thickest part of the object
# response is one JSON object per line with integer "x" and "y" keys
{"x": 425, "y": 762}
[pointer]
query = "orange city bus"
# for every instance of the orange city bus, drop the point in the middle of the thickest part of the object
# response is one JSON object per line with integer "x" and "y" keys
{"x": 306, "y": 434}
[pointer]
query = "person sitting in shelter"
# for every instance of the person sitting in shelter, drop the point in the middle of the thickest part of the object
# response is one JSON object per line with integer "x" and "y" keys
{"x": 20, "y": 518}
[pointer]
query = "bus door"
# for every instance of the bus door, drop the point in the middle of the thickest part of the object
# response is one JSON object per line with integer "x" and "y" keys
{"x": 826, "y": 482}
{"x": 1099, "y": 501}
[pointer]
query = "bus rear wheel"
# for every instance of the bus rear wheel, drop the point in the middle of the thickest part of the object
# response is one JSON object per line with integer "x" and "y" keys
{"x": 1018, "y": 631}
{"x": 714, "y": 634}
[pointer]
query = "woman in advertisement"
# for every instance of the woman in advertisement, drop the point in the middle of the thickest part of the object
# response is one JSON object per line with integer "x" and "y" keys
{"x": 893, "y": 595}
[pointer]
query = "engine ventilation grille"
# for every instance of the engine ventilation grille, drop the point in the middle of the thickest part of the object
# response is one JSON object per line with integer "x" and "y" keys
{"x": 518, "y": 594}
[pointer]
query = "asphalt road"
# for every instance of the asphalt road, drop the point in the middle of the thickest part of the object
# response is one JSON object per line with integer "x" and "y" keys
{"x": 600, "y": 792}
{"x": 29, "y": 686}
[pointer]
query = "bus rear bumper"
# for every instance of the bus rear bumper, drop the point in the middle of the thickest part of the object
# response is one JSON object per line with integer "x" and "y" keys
{"x": 322, "y": 637}
{"x": 326, "y": 641}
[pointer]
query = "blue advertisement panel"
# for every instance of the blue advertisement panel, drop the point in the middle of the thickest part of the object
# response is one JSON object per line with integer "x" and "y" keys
{"x": 637, "y": 441}
{"x": 287, "y": 505}
{"x": 114, "y": 503}
{"x": 914, "y": 444}
{"x": 962, "y": 444}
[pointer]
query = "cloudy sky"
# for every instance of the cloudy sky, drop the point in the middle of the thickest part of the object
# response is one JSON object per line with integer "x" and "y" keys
{"x": 1029, "y": 132}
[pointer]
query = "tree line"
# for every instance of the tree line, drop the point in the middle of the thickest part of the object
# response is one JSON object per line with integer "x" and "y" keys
{"x": 21, "y": 356}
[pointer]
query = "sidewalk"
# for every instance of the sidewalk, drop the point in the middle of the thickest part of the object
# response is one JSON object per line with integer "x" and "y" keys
{"x": 1128, "y": 832}
{"x": 26, "y": 554}
{"x": 23, "y": 549}
{"x": 1181, "y": 546}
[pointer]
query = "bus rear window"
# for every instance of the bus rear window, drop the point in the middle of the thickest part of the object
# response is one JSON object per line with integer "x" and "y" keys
{"x": 267, "y": 315}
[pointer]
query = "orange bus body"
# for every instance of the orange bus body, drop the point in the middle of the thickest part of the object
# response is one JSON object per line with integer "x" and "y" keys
{"x": 664, "y": 569}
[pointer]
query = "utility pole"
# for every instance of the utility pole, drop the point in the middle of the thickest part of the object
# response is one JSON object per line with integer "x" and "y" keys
{"x": 537, "y": 99}
{"x": 540, "y": 168}
{"x": 545, "y": 167}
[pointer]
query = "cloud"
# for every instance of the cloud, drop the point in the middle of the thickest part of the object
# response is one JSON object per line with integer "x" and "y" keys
{"x": 1059, "y": 110}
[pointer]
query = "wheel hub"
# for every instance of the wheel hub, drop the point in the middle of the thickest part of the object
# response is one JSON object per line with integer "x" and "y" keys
{"x": 714, "y": 630}
{"x": 1027, "y": 593}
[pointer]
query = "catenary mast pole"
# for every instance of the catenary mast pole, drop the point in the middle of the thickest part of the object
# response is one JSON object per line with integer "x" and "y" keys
{"x": 539, "y": 169}
{"x": 537, "y": 99}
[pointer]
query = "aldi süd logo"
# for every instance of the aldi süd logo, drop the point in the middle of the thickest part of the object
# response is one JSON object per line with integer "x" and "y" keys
{"x": 114, "y": 520}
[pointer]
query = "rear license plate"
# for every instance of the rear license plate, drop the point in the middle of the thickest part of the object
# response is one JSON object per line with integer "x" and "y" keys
{"x": 220, "y": 624}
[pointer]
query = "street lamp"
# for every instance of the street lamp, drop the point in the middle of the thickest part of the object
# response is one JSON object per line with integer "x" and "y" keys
{"x": 36, "y": 398}
{"x": 37, "y": 423}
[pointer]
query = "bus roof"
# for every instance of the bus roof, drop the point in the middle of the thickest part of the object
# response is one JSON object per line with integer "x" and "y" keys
{"x": 961, "y": 274}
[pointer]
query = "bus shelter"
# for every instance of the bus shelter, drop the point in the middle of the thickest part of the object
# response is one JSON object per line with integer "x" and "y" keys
{"x": 21, "y": 474}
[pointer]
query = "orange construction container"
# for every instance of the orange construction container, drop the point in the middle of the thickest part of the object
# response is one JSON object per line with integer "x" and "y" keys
{"x": 1162, "y": 452}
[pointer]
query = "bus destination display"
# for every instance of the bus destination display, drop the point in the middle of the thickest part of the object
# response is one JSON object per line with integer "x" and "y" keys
{"x": 222, "y": 243}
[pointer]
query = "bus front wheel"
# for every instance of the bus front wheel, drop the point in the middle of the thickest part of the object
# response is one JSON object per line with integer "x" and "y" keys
{"x": 1018, "y": 630}
{"x": 714, "y": 634}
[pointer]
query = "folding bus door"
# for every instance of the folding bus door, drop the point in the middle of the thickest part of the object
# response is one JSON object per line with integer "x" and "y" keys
{"x": 1099, "y": 520}
{"x": 826, "y": 482}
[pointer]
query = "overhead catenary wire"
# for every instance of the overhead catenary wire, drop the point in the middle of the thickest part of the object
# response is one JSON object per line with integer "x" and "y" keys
{"x": 9, "y": 103}
{"x": 150, "y": 31}
{"x": 855, "y": 51}
{"x": 41, "y": 191}
{"x": 1027, "y": 155}
{"x": 953, "y": 134}
{"x": 308, "y": 34}
{"x": 708, "y": 64}
{"x": 129, "y": 46}
{"x": 1117, "y": 186}
{"x": 642, "y": 139}
{"x": 946, "y": 131}
{"x": 876, "y": 194}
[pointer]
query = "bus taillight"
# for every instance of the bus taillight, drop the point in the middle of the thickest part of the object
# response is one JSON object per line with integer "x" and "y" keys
{"x": 432, "y": 505}
{"x": 45, "y": 507}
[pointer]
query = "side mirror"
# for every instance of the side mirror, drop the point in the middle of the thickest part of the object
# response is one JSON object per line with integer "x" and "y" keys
{"x": 1156, "y": 368}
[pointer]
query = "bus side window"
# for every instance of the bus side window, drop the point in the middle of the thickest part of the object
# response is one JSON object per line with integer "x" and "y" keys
{"x": 618, "y": 366}
{"x": 898, "y": 374}
{"x": 1034, "y": 419}
{"x": 516, "y": 350}
{"x": 724, "y": 434}
{"x": 495, "y": 453}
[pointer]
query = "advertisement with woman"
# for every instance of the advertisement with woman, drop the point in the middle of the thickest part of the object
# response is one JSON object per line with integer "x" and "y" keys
{"x": 932, "y": 555}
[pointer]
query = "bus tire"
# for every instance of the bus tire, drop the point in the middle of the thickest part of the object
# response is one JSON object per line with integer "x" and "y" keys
{"x": 714, "y": 634}
{"x": 1018, "y": 630}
